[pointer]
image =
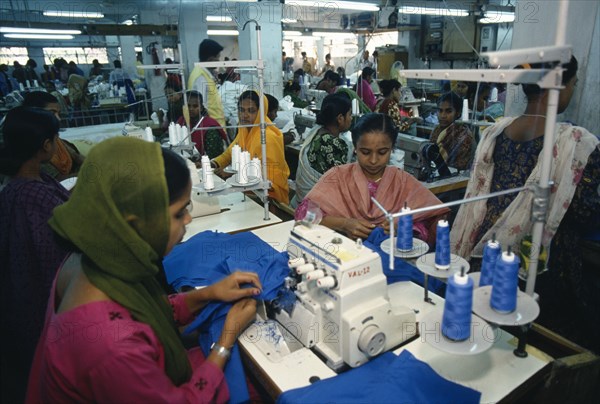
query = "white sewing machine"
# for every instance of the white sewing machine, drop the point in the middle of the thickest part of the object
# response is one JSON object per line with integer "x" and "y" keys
{"x": 415, "y": 162}
{"x": 341, "y": 307}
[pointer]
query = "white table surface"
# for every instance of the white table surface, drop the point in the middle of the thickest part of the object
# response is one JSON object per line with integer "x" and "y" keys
{"x": 495, "y": 373}
{"x": 238, "y": 213}
{"x": 93, "y": 133}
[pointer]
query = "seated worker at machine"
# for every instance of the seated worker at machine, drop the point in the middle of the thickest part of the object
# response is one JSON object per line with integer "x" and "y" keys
{"x": 248, "y": 138}
{"x": 115, "y": 287}
{"x": 209, "y": 137}
{"x": 293, "y": 89}
{"x": 390, "y": 105}
{"x": 66, "y": 161}
{"x": 508, "y": 156}
{"x": 323, "y": 148}
{"x": 29, "y": 254}
{"x": 173, "y": 92}
{"x": 453, "y": 142}
{"x": 287, "y": 128}
{"x": 486, "y": 110}
{"x": 363, "y": 88}
{"x": 329, "y": 82}
{"x": 344, "y": 193}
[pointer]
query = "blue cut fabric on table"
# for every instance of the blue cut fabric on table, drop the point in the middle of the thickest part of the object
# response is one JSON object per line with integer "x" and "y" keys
{"x": 403, "y": 271}
{"x": 209, "y": 257}
{"x": 386, "y": 379}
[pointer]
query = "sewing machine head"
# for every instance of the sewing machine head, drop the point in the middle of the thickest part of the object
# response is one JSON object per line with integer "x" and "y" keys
{"x": 335, "y": 299}
{"x": 304, "y": 122}
{"x": 202, "y": 204}
{"x": 415, "y": 161}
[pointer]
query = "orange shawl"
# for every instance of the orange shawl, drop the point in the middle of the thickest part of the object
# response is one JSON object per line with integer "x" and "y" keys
{"x": 343, "y": 191}
{"x": 62, "y": 159}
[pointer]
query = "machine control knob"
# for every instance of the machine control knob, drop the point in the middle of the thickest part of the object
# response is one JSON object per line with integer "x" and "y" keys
{"x": 296, "y": 262}
{"x": 371, "y": 341}
{"x": 318, "y": 274}
{"x": 328, "y": 282}
{"x": 327, "y": 306}
{"x": 304, "y": 269}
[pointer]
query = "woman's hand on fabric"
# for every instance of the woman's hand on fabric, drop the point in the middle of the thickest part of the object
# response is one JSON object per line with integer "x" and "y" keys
{"x": 231, "y": 288}
{"x": 239, "y": 316}
{"x": 386, "y": 226}
{"x": 358, "y": 228}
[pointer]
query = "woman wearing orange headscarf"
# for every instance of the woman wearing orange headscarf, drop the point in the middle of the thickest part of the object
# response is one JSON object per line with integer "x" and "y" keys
{"x": 248, "y": 138}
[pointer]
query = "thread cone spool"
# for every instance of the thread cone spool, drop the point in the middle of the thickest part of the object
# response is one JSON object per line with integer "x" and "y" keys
{"x": 505, "y": 283}
{"x": 210, "y": 181}
{"x": 465, "y": 111}
{"x": 172, "y": 134}
{"x": 491, "y": 252}
{"x": 404, "y": 240}
{"x": 355, "y": 107}
{"x": 494, "y": 95}
{"x": 456, "y": 320}
{"x": 148, "y": 135}
{"x": 205, "y": 162}
{"x": 442, "y": 245}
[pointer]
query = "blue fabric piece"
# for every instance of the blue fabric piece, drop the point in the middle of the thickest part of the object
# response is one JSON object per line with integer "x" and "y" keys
{"x": 386, "y": 379}
{"x": 209, "y": 257}
{"x": 403, "y": 271}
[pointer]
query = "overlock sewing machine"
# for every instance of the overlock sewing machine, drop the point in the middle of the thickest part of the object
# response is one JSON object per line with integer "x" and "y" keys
{"x": 335, "y": 299}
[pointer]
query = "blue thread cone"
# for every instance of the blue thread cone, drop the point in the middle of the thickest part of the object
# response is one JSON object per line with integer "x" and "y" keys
{"x": 505, "y": 283}
{"x": 404, "y": 241}
{"x": 456, "y": 320}
{"x": 442, "y": 245}
{"x": 491, "y": 252}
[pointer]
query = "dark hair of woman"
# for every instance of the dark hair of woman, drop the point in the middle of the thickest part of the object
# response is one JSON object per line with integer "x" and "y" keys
{"x": 374, "y": 122}
{"x": 193, "y": 94}
{"x": 387, "y": 86}
{"x": 333, "y": 76}
{"x": 454, "y": 99}
{"x": 332, "y": 106}
{"x": 250, "y": 95}
{"x": 366, "y": 72}
{"x": 25, "y": 131}
{"x": 273, "y": 102}
{"x": 533, "y": 90}
{"x": 177, "y": 174}
{"x": 292, "y": 87}
{"x": 173, "y": 84}
{"x": 38, "y": 99}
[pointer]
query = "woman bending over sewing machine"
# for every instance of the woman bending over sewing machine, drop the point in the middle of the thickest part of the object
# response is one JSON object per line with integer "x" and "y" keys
{"x": 323, "y": 147}
{"x": 344, "y": 193}
{"x": 66, "y": 160}
{"x": 249, "y": 139}
{"x": 29, "y": 255}
{"x": 453, "y": 142}
{"x": 208, "y": 137}
{"x": 110, "y": 333}
{"x": 508, "y": 157}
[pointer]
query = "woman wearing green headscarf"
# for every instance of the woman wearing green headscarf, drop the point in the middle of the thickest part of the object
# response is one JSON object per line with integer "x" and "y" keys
{"x": 110, "y": 333}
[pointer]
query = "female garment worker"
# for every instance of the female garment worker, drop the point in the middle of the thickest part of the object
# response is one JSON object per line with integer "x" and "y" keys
{"x": 110, "y": 333}
{"x": 508, "y": 157}
{"x": 390, "y": 105}
{"x": 454, "y": 143}
{"x": 248, "y": 138}
{"x": 66, "y": 160}
{"x": 344, "y": 193}
{"x": 323, "y": 147}
{"x": 29, "y": 255}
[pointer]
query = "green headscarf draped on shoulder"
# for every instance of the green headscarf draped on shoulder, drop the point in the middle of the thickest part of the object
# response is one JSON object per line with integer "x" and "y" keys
{"x": 118, "y": 217}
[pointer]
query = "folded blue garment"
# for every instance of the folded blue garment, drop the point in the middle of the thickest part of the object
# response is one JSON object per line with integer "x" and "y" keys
{"x": 403, "y": 271}
{"x": 209, "y": 257}
{"x": 386, "y": 379}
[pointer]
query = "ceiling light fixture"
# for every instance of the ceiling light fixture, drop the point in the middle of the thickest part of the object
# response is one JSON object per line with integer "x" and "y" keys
{"x": 73, "y": 14}
{"x": 289, "y": 20}
{"x": 292, "y": 33}
{"x": 222, "y": 32}
{"x": 497, "y": 17}
{"x": 335, "y": 5}
{"x": 218, "y": 18}
{"x": 440, "y": 12}
{"x": 38, "y": 36}
{"x": 14, "y": 30}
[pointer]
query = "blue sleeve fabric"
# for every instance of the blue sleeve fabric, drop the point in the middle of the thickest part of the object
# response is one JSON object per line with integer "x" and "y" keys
{"x": 209, "y": 257}
{"x": 386, "y": 379}
{"x": 403, "y": 270}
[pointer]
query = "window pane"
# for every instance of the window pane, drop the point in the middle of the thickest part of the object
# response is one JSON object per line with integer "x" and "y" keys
{"x": 81, "y": 56}
{"x": 9, "y": 55}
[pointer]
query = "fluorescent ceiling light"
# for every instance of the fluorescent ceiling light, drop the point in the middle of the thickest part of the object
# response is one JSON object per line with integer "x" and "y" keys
{"x": 289, "y": 20}
{"x": 334, "y": 5}
{"x": 292, "y": 33}
{"x": 441, "y": 11}
{"x": 127, "y": 22}
{"x": 215, "y": 32}
{"x": 38, "y": 31}
{"x": 73, "y": 14}
{"x": 38, "y": 36}
{"x": 218, "y": 18}
{"x": 497, "y": 17}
